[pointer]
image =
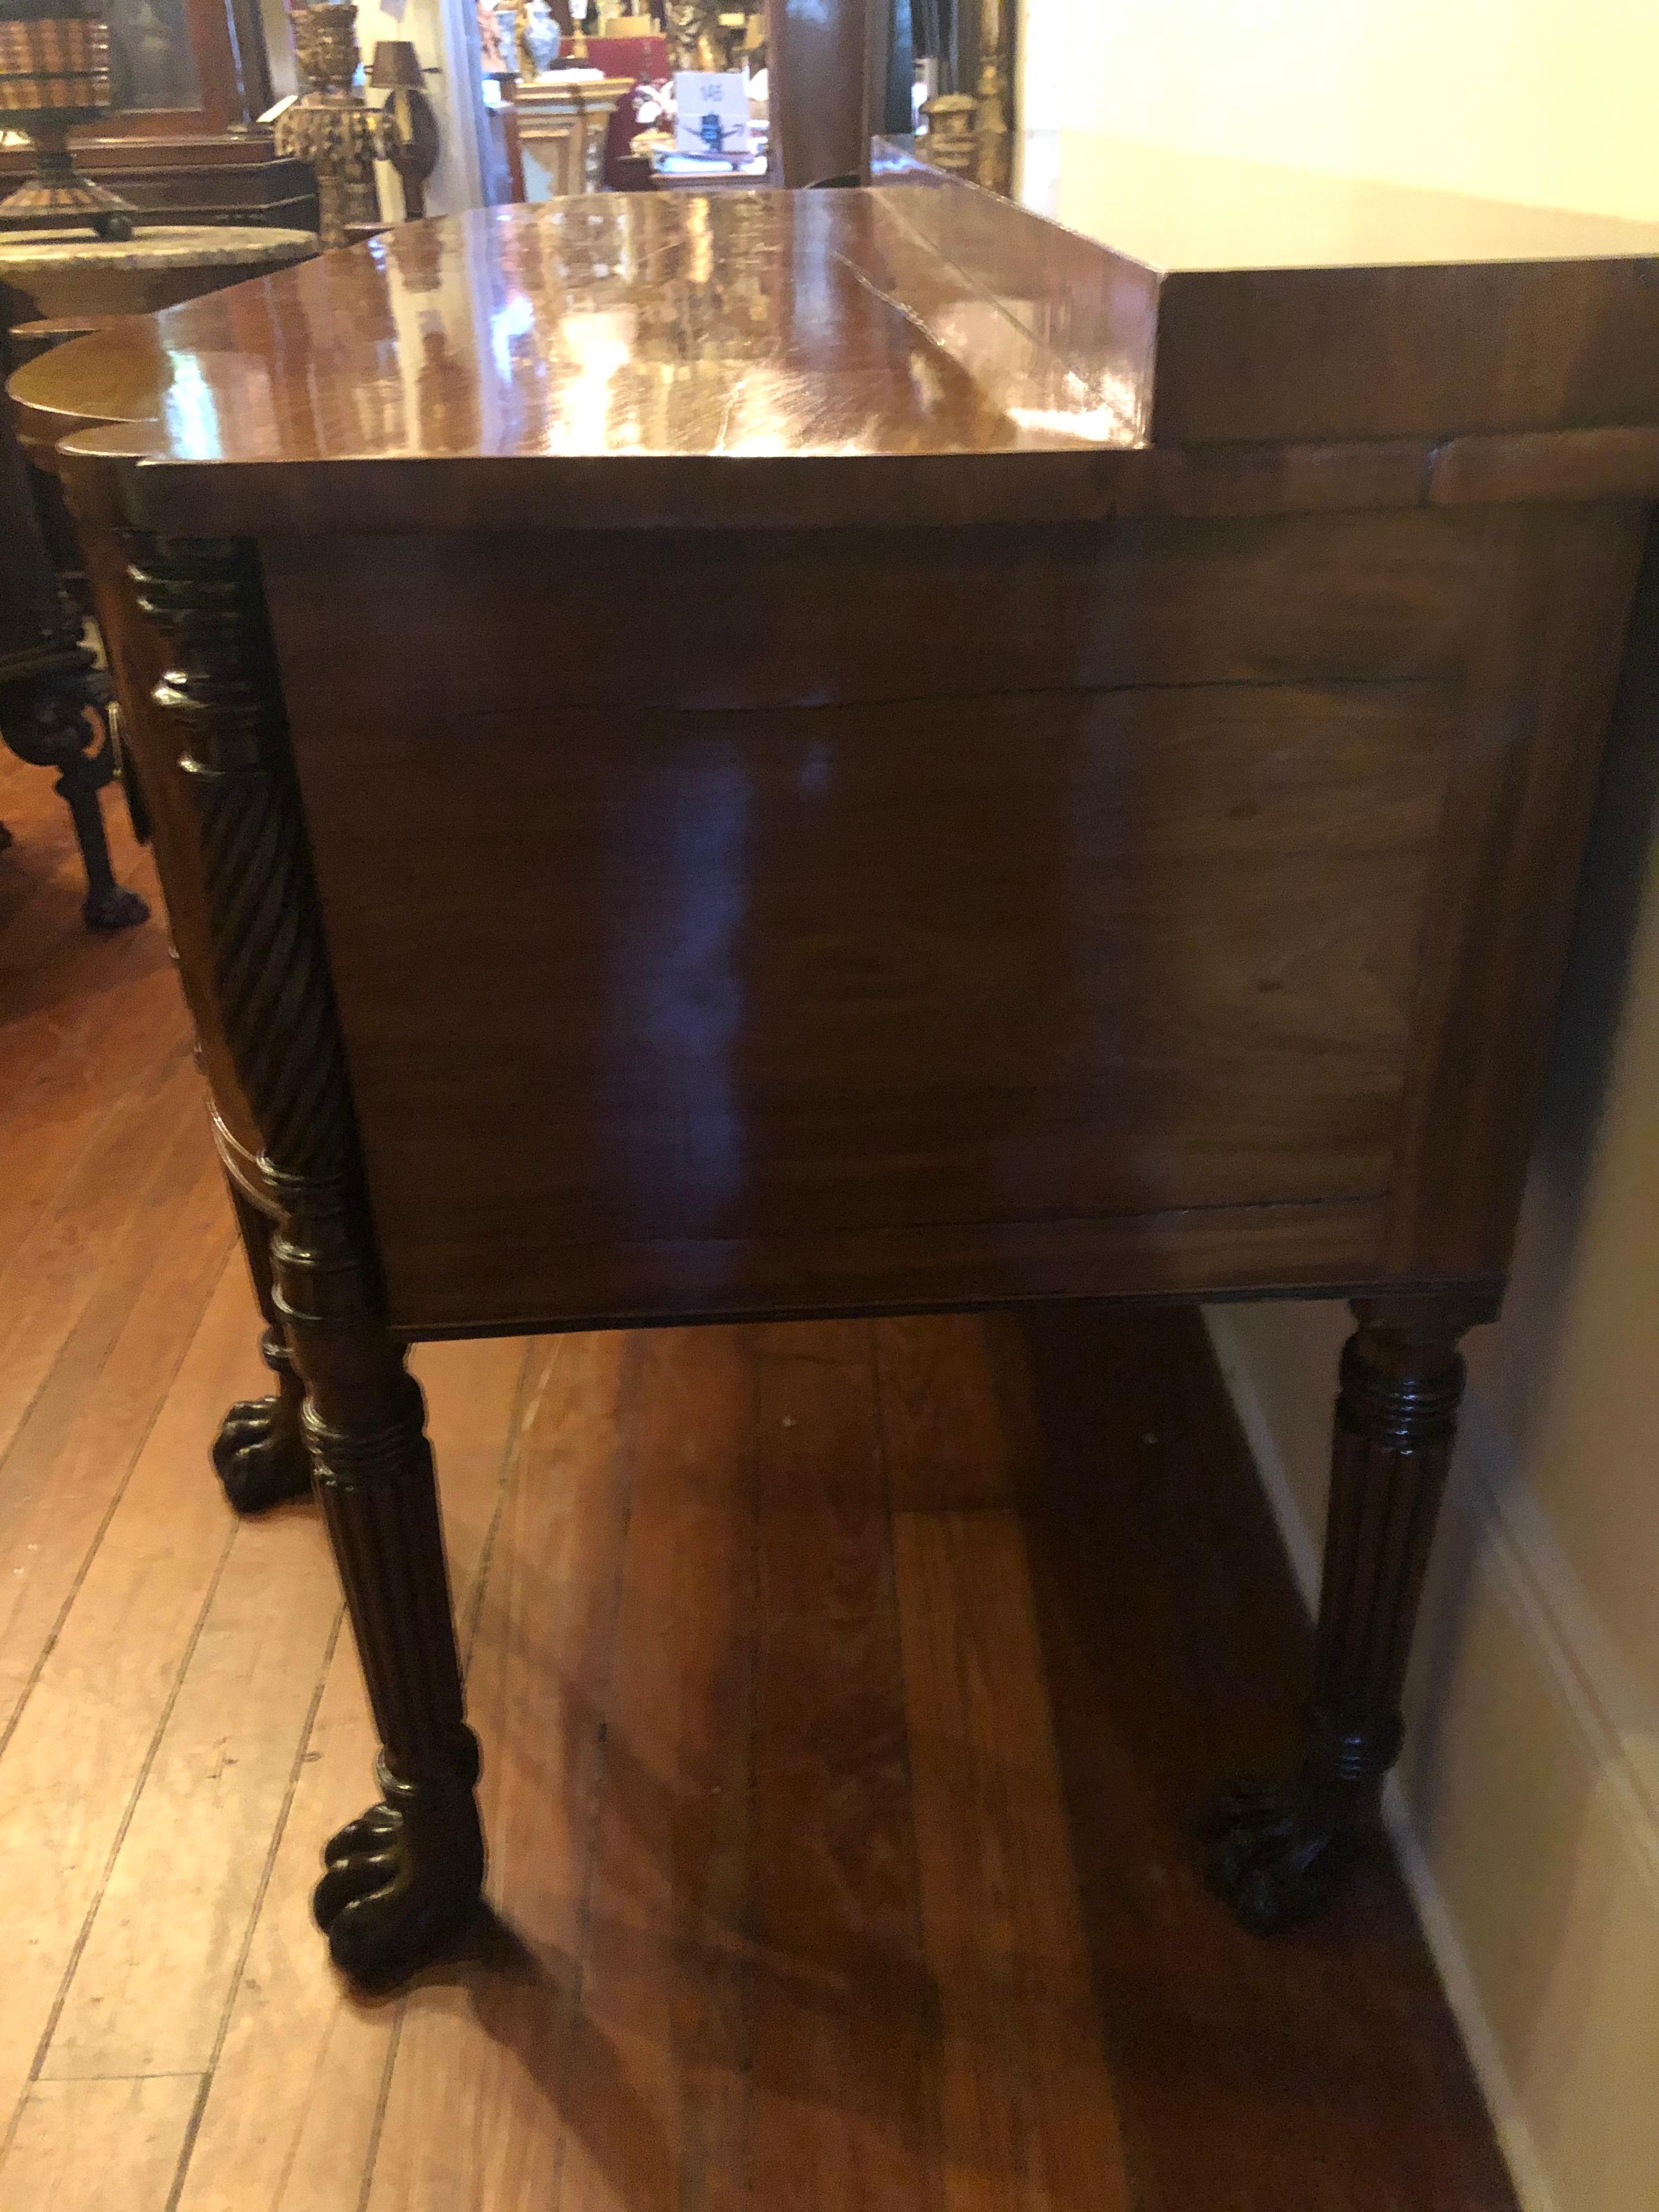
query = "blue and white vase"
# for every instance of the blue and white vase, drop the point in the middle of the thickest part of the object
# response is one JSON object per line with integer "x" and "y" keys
{"x": 540, "y": 32}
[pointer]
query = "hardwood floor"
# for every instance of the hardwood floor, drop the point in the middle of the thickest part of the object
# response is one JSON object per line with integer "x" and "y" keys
{"x": 846, "y": 1693}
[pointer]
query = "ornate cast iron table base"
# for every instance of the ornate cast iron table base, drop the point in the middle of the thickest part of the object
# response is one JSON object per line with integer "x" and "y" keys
{"x": 56, "y": 716}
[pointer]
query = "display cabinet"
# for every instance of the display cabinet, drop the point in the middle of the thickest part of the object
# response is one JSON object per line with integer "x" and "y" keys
{"x": 191, "y": 78}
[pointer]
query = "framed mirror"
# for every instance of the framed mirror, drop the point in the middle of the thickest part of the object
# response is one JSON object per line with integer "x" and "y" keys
{"x": 152, "y": 65}
{"x": 184, "y": 67}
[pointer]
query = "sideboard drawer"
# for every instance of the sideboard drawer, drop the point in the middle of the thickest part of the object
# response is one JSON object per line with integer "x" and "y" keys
{"x": 802, "y": 618}
{"x": 798, "y": 973}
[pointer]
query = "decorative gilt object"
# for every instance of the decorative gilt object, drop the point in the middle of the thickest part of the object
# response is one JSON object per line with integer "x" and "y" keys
{"x": 695, "y": 39}
{"x": 951, "y": 141}
{"x": 54, "y": 72}
{"x": 994, "y": 142}
{"x": 331, "y": 125}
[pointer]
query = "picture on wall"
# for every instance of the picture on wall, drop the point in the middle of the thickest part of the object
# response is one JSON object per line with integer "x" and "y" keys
{"x": 151, "y": 65}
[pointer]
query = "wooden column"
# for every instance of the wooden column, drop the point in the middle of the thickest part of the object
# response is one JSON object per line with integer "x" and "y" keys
{"x": 826, "y": 56}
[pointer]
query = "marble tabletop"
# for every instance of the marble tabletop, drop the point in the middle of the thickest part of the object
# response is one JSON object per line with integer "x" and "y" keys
{"x": 157, "y": 246}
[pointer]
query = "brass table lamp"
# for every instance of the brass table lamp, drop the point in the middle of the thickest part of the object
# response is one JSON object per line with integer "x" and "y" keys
{"x": 54, "y": 72}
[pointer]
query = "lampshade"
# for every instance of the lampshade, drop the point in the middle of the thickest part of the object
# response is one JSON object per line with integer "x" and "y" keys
{"x": 396, "y": 67}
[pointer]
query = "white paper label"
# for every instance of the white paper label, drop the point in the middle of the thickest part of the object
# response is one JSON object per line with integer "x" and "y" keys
{"x": 712, "y": 113}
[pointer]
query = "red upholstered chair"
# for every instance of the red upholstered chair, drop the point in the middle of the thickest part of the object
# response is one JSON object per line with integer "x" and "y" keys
{"x": 645, "y": 61}
{"x": 646, "y": 58}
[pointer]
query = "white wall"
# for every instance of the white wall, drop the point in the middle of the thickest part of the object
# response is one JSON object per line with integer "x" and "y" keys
{"x": 1550, "y": 101}
{"x": 1528, "y": 1804}
{"x": 444, "y": 37}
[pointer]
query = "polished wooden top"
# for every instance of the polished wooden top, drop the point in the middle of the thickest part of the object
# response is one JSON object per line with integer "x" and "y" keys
{"x": 1283, "y": 304}
{"x": 920, "y": 351}
{"x": 759, "y": 323}
{"x": 634, "y": 328}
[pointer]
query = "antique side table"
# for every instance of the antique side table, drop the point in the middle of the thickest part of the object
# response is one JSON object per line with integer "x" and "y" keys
{"x": 564, "y": 120}
{"x": 1095, "y": 812}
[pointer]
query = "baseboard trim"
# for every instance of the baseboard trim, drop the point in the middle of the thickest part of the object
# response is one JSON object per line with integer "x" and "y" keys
{"x": 1301, "y": 1545}
{"x": 1533, "y": 2185}
{"x": 1611, "y": 1716}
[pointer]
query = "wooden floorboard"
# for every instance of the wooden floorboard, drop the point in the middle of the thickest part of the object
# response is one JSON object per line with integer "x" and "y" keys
{"x": 848, "y": 1694}
{"x": 487, "y": 2036}
{"x": 847, "y": 2064}
{"x": 82, "y": 2145}
{"x": 289, "y": 2114}
{"x": 1322, "y": 2068}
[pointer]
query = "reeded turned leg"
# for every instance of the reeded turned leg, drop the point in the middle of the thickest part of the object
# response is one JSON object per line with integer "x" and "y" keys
{"x": 410, "y": 1868}
{"x": 259, "y": 1453}
{"x": 1281, "y": 1849}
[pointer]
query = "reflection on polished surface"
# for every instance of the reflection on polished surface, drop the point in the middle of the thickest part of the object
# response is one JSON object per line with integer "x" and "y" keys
{"x": 742, "y": 324}
{"x": 1195, "y": 336}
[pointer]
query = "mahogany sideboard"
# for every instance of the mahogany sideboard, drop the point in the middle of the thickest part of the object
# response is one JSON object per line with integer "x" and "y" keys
{"x": 1069, "y": 784}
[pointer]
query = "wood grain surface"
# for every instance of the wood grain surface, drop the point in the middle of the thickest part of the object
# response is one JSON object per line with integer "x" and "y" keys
{"x": 837, "y": 1773}
{"x": 1185, "y": 917}
{"x": 909, "y": 353}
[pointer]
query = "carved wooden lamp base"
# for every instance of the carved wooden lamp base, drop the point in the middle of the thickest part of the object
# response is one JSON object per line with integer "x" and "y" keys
{"x": 58, "y": 197}
{"x": 54, "y": 72}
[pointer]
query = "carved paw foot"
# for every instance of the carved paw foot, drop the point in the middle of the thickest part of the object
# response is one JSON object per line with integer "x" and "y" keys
{"x": 260, "y": 1454}
{"x": 1278, "y": 1851}
{"x": 399, "y": 1878}
{"x": 114, "y": 909}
